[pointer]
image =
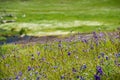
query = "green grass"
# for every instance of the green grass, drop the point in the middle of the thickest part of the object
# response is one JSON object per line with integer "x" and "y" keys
{"x": 50, "y": 61}
{"x": 57, "y": 12}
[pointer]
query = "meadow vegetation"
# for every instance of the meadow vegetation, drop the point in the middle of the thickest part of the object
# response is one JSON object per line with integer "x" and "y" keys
{"x": 66, "y": 15}
{"x": 96, "y": 57}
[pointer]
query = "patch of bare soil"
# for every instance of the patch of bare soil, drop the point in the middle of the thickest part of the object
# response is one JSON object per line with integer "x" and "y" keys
{"x": 71, "y": 37}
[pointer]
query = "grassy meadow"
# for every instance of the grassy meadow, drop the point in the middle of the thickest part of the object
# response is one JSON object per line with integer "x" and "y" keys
{"x": 44, "y": 17}
{"x": 96, "y": 57}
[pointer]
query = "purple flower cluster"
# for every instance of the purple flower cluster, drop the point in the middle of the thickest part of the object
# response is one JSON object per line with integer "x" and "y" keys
{"x": 99, "y": 72}
{"x": 97, "y": 77}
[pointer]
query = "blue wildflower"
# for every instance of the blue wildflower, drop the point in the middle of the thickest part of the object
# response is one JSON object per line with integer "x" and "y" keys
{"x": 84, "y": 41}
{"x": 29, "y": 68}
{"x": 83, "y": 67}
{"x": 117, "y": 55}
{"x": 59, "y": 44}
{"x": 99, "y": 70}
{"x": 62, "y": 77}
{"x": 55, "y": 67}
{"x": 102, "y": 54}
{"x": 17, "y": 77}
{"x": 95, "y": 35}
{"x": 38, "y": 78}
{"x": 69, "y": 53}
{"x": 107, "y": 58}
{"x": 36, "y": 72}
{"x": 97, "y": 77}
{"x": 101, "y": 34}
{"x": 38, "y": 53}
{"x": 98, "y": 57}
{"x": 20, "y": 73}
{"x": 24, "y": 78}
{"x": 74, "y": 70}
{"x": 3, "y": 56}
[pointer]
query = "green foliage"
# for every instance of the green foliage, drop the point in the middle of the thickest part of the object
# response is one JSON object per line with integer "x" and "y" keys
{"x": 23, "y": 31}
{"x": 2, "y": 38}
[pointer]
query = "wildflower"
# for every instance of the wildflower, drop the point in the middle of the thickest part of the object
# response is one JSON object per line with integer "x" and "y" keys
{"x": 38, "y": 53}
{"x": 102, "y": 54}
{"x": 29, "y": 68}
{"x": 97, "y": 43}
{"x": 17, "y": 78}
{"x": 32, "y": 69}
{"x": 98, "y": 57}
{"x": 117, "y": 55}
{"x": 43, "y": 59}
{"x": 20, "y": 73}
{"x": 83, "y": 67}
{"x": 60, "y": 44}
{"x": 101, "y": 34}
{"x": 3, "y": 56}
{"x": 36, "y": 72}
{"x": 119, "y": 65}
{"x": 97, "y": 77}
{"x": 24, "y": 78}
{"x": 84, "y": 41}
{"x": 99, "y": 70}
{"x": 7, "y": 65}
{"x": 74, "y": 70}
{"x": 31, "y": 74}
{"x": 62, "y": 77}
{"x": 77, "y": 77}
{"x": 55, "y": 67}
{"x": 95, "y": 35}
{"x": 107, "y": 58}
{"x": 38, "y": 78}
{"x": 69, "y": 53}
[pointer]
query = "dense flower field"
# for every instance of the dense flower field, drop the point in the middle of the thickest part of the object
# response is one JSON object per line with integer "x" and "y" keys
{"x": 95, "y": 58}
